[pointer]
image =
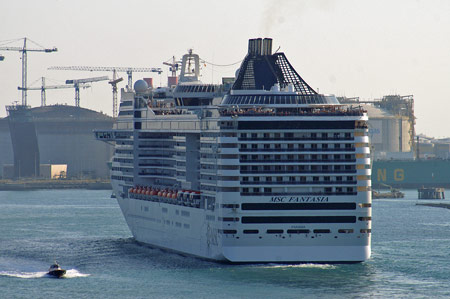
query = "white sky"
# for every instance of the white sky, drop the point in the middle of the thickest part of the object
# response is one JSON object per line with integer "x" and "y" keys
{"x": 344, "y": 47}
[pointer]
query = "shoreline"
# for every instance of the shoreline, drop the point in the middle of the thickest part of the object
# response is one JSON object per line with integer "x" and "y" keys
{"x": 29, "y": 185}
{"x": 436, "y": 205}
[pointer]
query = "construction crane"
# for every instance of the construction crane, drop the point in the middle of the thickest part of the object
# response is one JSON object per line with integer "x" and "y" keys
{"x": 113, "y": 83}
{"x": 115, "y": 80}
{"x": 44, "y": 87}
{"x": 24, "y": 51}
{"x": 79, "y": 82}
{"x": 173, "y": 66}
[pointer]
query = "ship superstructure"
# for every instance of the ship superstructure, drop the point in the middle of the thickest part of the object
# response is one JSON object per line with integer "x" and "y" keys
{"x": 270, "y": 171}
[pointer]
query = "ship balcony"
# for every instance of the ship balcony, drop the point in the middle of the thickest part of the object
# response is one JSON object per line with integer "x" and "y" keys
{"x": 144, "y": 148}
{"x": 123, "y": 155}
{"x": 364, "y": 172}
{"x": 279, "y": 139}
{"x": 124, "y": 164}
{"x": 222, "y": 172}
{"x": 228, "y": 172}
{"x": 309, "y": 161}
{"x": 157, "y": 151}
{"x": 227, "y": 140}
{"x": 124, "y": 146}
{"x": 155, "y": 166}
{"x": 208, "y": 183}
{"x": 181, "y": 159}
{"x": 228, "y": 151}
{"x": 208, "y": 151}
{"x": 123, "y": 174}
{"x": 228, "y": 183}
{"x": 156, "y": 142}
{"x": 325, "y": 172}
{"x": 155, "y": 138}
{"x": 209, "y": 171}
{"x": 365, "y": 161}
{"x": 362, "y": 150}
{"x": 157, "y": 176}
{"x": 156, "y": 156}
{"x": 298, "y": 150}
{"x": 365, "y": 183}
{"x": 361, "y": 139}
{"x": 298, "y": 183}
{"x": 227, "y": 161}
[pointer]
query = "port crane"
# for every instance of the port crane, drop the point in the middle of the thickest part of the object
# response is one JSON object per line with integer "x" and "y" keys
{"x": 115, "y": 79}
{"x": 44, "y": 87}
{"x": 24, "y": 51}
{"x": 173, "y": 66}
{"x": 79, "y": 82}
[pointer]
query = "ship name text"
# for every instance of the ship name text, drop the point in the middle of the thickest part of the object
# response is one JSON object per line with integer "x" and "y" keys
{"x": 299, "y": 199}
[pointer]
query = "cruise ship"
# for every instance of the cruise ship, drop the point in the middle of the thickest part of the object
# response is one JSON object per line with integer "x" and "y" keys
{"x": 267, "y": 171}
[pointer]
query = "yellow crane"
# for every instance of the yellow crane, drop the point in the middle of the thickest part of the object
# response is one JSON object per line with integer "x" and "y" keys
{"x": 115, "y": 79}
{"x": 24, "y": 51}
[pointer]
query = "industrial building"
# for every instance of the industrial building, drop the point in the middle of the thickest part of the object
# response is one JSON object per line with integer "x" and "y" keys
{"x": 391, "y": 126}
{"x": 64, "y": 135}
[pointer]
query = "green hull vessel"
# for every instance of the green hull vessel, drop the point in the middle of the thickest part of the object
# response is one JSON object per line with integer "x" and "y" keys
{"x": 411, "y": 173}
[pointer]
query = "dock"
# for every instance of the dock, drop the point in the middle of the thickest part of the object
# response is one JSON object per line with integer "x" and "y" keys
{"x": 431, "y": 193}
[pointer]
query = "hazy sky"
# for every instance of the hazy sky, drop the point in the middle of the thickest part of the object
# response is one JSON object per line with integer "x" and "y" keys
{"x": 344, "y": 47}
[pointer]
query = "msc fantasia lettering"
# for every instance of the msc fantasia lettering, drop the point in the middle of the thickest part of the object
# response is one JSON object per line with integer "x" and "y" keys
{"x": 299, "y": 199}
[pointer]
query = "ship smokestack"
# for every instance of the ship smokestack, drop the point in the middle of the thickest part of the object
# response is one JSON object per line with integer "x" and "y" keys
{"x": 258, "y": 46}
{"x": 251, "y": 46}
{"x": 267, "y": 46}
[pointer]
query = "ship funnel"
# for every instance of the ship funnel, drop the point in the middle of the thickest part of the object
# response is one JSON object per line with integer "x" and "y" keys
{"x": 253, "y": 46}
{"x": 258, "y": 46}
{"x": 267, "y": 46}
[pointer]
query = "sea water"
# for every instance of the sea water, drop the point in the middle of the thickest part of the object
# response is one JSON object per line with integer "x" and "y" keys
{"x": 85, "y": 232}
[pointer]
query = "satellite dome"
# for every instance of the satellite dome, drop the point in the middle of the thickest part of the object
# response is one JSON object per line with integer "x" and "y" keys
{"x": 236, "y": 74}
{"x": 140, "y": 86}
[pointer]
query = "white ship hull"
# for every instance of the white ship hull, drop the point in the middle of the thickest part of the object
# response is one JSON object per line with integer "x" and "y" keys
{"x": 160, "y": 225}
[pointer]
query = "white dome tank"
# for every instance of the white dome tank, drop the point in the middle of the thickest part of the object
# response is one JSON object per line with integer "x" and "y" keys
{"x": 236, "y": 74}
{"x": 140, "y": 86}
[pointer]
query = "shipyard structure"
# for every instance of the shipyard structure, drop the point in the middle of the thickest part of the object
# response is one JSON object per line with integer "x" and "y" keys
{"x": 36, "y": 142}
{"x": 401, "y": 158}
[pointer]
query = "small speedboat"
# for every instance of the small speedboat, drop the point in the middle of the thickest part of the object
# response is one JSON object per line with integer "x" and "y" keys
{"x": 56, "y": 271}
